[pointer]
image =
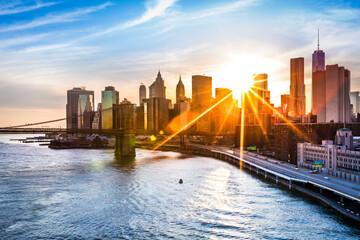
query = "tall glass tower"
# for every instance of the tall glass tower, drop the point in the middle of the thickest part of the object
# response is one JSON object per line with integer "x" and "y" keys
{"x": 108, "y": 97}
{"x": 318, "y": 59}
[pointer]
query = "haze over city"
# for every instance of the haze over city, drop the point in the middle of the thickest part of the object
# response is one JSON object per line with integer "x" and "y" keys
{"x": 48, "y": 47}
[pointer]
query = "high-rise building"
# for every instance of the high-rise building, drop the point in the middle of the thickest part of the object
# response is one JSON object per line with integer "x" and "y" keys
{"x": 318, "y": 59}
{"x": 72, "y": 108}
{"x": 201, "y": 91}
{"x": 156, "y": 113}
{"x": 96, "y": 124}
{"x": 261, "y": 89}
{"x": 157, "y": 89}
{"x": 226, "y": 113}
{"x": 337, "y": 94}
{"x": 297, "y": 88}
{"x": 85, "y": 104}
{"x": 201, "y": 100}
{"x": 142, "y": 93}
{"x": 355, "y": 101}
{"x": 318, "y": 100}
{"x": 108, "y": 97}
{"x": 180, "y": 91}
{"x": 285, "y": 102}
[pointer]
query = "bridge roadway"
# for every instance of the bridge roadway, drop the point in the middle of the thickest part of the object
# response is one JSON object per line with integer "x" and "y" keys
{"x": 339, "y": 186}
{"x": 63, "y": 130}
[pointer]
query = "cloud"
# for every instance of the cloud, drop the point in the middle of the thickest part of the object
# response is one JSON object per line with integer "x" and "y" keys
{"x": 29, "y": 96}
{"x": 22, "y": 40}
{"x": 222, "y": 9}
{"x": 52, "y": 19}
{"x": 151, "y": 12}
{"x": 13, "y": 9}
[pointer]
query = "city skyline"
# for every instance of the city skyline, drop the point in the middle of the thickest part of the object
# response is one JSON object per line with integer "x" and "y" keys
{"x": 83, "y": 48}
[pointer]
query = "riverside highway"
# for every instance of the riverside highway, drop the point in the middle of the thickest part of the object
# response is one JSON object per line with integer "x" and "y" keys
{"x": 332, "y": 183}
{"x": 339, "y": 186}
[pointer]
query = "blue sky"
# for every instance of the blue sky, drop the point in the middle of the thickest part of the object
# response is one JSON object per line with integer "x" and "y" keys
{"x": 47, "y": 47}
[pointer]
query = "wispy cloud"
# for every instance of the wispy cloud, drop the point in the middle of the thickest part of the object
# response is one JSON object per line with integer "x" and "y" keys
{"x": 14, "y": 9}
{"x": 52, "y": 18}
{"x": 153, "y": 10}
{"x": 218, "y": 10}
{"x": 22, "y": 40}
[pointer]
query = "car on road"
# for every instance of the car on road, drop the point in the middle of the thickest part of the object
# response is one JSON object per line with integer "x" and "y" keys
{"x": 297, "y": 169}
{"x": 315, "y": 171}
{"x": 311, "y": 172}
{"x": 326, "y": 178}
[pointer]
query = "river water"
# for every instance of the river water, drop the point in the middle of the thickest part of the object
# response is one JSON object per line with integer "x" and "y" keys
{"x": 88, "y": 194}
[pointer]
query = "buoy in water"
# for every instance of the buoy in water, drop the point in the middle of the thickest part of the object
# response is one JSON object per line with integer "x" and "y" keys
{"x": 180, "y": 181}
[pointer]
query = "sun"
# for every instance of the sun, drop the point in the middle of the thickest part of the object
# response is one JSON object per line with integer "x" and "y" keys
{"x": 237, "y": 73}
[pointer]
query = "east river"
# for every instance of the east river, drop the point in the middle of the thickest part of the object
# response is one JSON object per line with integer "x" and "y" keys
{"x": 88, "y": 194}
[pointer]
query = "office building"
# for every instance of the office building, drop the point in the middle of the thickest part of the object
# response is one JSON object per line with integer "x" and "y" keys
{"x": 157, "y": 88}
{"x": 260, "y": 87}
{"x": 226, "y": 114}
{"x": 201, "y": 91}
{"x": 108, "y": 97}
{"x": 180, "y": 91}
{"x": 297, "y": 88}
{"x": 318, "y": 101}
{"x": 156, "y": 112}
{"x": 202, "y": 100}
{"x": 355, "y": 101}
{"x": 334, "y": 159}
{"x": 72, "y": 109}
{"x": 318, "y": 59}
{"x": 142, "y": 93}
{"x": 285, "y": 103}
{"x": 85, "y": 104}
{"x": 96, "y": 123}
{"x": 337, "y": 94}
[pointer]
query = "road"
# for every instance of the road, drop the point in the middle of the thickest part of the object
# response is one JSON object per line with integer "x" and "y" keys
{"x": 342, "y": 186}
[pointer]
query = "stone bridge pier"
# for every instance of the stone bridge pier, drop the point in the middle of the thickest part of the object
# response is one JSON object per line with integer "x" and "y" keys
{"x": 125, "y": 145}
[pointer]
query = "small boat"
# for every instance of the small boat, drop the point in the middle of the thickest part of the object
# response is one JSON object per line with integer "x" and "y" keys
{"x": 180, "y": 181}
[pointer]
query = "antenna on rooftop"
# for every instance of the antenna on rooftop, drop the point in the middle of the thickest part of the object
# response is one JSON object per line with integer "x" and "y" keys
{"x": 318, "y": 40}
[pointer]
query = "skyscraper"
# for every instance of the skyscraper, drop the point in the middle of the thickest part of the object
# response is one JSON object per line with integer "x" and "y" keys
{"x": 318, "y": 100}
{"x": 201, "y": 90}
{"x": 85, "y": 105}
{"x": 201, "y": 100}
{"x": 157, "y": 88}
{"x": 261, "y": 89}
{"x": 72, "y": 105}
{"x": 297, "y": 88}
{"x": 337, "y": 94}
{"x": 318, "y": 59}
{"x": 285, "y": 102}
{"x": 180, "y": 91}
{"x": 355, "y": 101}
{"x": 108, "y": 97}
{"x": 142, "y": 93}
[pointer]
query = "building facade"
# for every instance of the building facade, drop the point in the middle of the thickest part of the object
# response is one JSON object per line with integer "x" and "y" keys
{"x": 157, "y": 89}
{"x": 337, "y": 94}
{"x": 334, "y": 160}
{"x": 72, "y": 107}
{"x": 180, "y": 91}
{"x": 109, "y": 97}
{"x": 202, "y": 100}
{"x": 297, "y": 88}
{"x": 142, "y": 93}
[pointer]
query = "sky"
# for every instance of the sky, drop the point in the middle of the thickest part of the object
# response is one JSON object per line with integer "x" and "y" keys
{"x": 48, "y": 47}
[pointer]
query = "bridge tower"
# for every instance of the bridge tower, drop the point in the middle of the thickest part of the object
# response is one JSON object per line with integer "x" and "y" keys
{"x": 124, "y": 125}
{"x": 125, "y": 144}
